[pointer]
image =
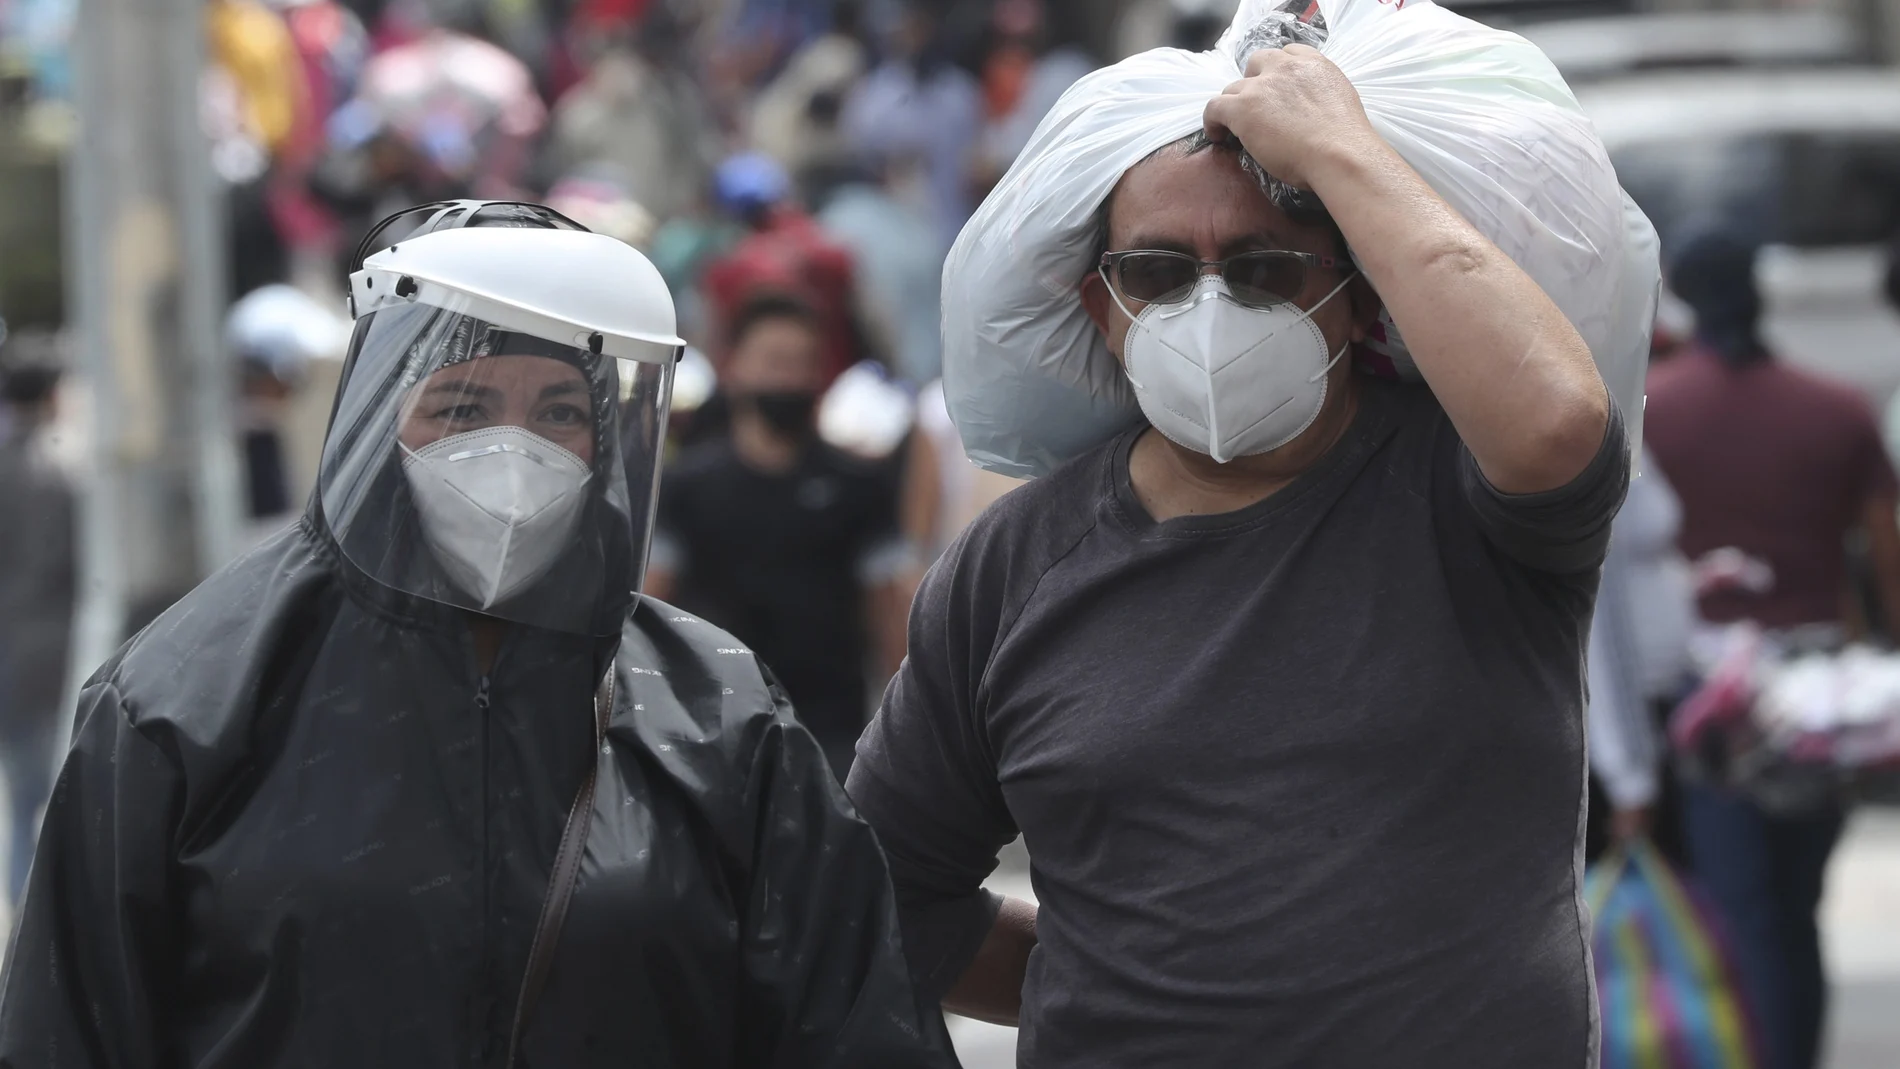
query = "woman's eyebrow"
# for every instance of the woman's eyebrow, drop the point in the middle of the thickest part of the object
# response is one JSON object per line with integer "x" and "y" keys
{"x": 563, "y": 389}
{"x": 464, "y": 388}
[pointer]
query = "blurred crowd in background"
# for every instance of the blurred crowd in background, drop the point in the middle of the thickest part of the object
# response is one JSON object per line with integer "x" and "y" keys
{"x": 797, "y": 169}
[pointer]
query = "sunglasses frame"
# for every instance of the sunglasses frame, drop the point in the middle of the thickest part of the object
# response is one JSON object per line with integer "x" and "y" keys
{"x": 1110, "y": 266}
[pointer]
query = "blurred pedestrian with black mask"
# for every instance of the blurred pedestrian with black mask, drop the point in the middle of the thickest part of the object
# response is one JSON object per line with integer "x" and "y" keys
{"x": 781, "y": 539}
{"x": 1782, "y": 466}
{"x": 37, "y": 589}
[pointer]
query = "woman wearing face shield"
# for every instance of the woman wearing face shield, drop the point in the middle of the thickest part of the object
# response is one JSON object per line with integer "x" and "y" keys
{"x": 422, "y": 781}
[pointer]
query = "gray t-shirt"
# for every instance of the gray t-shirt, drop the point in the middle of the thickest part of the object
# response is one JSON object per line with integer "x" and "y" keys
{"x": 1301, "y": 784}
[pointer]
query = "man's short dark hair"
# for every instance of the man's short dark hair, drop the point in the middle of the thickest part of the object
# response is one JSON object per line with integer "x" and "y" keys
{"x": 765, "y": 308}
{"x": 1299, "y": 205}
{"x": 1713, "y": 271}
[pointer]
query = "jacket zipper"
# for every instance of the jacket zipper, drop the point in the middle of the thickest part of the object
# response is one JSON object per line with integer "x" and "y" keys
{"x": 482, "y": 704}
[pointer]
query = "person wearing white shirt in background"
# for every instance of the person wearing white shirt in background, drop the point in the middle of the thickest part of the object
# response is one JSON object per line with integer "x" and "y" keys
{"x": 1639, "y": 665}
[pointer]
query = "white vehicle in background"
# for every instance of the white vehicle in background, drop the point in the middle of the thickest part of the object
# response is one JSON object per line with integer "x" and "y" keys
{"x": 1762, "y": 121}
{"x": 1596, "y": 47}
{"x": 1807, "y": 161}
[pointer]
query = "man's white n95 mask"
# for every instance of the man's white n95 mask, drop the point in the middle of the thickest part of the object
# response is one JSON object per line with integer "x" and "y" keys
{"x": 498, "y": 507}
{"x": 1225, "y": 379}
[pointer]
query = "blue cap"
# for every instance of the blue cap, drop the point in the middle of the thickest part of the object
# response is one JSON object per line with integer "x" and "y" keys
{"x": 749, "y": 182}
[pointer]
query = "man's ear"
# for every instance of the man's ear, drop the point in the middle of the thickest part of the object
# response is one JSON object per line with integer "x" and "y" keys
{"x": 1366, "y": 306}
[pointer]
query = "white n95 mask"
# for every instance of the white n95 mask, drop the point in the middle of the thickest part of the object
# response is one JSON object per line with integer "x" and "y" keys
{"x": 498, "y": 507}
{"x": 1225, "y": 379}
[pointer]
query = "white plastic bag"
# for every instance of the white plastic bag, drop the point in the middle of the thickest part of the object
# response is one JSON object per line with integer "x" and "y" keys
{"x": 1481, "y": 114}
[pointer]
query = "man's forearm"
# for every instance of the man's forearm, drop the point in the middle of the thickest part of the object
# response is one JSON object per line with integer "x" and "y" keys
{"x": 991, "y": 989}
{"x": 1883, "y": 545}
{"x": 1512, "y": 373}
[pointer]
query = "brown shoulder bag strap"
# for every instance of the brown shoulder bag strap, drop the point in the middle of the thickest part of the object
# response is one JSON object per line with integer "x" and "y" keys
{"x": 567, "y": 869}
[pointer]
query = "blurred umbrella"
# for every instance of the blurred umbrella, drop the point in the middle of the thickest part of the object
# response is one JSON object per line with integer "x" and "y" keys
{"x": 448, "y": 95}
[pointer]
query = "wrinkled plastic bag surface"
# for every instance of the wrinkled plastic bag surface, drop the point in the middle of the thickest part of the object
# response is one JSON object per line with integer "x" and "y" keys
{"x": 1481, "y": 114}
{"x": 1667, "y": 994}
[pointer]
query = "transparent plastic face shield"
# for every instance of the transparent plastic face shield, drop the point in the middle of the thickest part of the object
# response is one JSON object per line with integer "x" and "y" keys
{"x": 493, "y": 470}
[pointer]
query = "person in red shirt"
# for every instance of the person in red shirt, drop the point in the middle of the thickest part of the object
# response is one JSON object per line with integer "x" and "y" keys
{"x": 785, "y": 252}
{"x": 1783, "y": 466}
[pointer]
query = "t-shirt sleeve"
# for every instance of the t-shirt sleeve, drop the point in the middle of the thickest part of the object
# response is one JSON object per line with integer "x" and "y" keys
{"x": 1563, "y": 531}
{"x": 925, "y": 778}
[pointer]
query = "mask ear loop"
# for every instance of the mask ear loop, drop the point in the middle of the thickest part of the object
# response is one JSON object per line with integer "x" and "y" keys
{"x": 1134, "y": 321}
{"x": 1344, "y": 349}
{"x": 1323, "y": 301}
{"x": 1331, "y": 364}
{"x": 1115, "y": 294}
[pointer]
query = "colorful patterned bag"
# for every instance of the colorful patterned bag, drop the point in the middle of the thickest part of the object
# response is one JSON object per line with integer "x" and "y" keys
{"x": 1667, "y": 992}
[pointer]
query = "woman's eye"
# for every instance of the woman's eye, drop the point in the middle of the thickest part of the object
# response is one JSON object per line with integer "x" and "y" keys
{"x": 460, "y": 413}
{"x": 565, "y": 415}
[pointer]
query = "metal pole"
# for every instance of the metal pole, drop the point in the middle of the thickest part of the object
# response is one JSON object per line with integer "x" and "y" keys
{"x": 159, "y": 508}
{"x": 99, "y": 616}
{"x": 211, "y": 398}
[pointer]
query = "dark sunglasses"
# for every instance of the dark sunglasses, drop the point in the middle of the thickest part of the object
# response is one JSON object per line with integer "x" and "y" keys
{"x": 1257, "y": 279}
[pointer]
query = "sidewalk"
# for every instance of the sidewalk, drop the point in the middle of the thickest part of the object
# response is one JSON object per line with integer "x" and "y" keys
{"x": 1861, "y": 918}
{"x": 1861, "y": 924}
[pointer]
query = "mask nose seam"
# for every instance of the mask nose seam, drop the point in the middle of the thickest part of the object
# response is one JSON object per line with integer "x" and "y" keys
{"x": 1213, "y": 418}
{"x": 501, "y": 564}
{"x": 434, "y": 449}
{"x": 415, "y": 458}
